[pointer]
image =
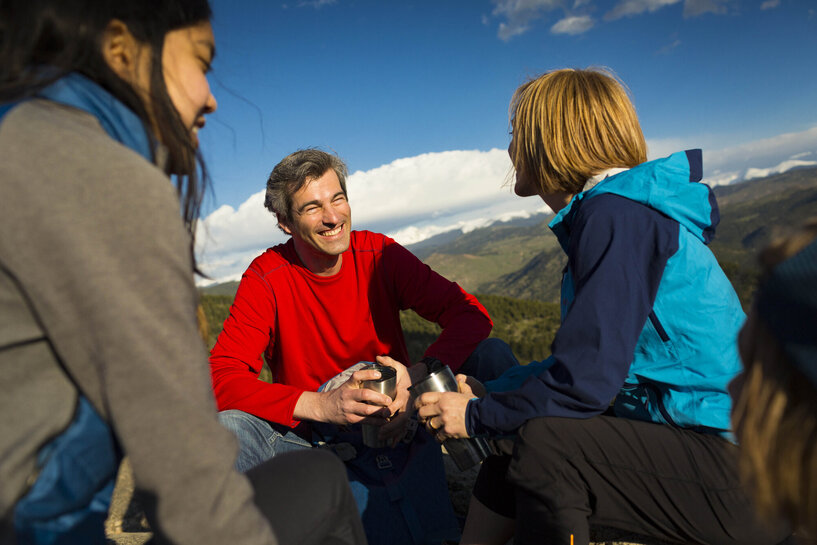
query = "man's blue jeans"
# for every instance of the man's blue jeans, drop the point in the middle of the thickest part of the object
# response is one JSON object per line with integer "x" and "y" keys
{"x": 260, "y": 440}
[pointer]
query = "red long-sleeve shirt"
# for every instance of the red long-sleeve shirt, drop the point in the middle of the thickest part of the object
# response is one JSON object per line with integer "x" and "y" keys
{"x": 310, "y": 328}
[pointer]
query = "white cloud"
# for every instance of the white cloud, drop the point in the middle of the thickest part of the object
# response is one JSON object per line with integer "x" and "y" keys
{"x": 435, "y": 184}
{"x": 663, "y": 147}
{"x": 777, "y": 169}
{"x": 693, "y": 8}
{"x": 722, "y": 179}
{"x": 414, "y": 198}
{"x": 228, "y": 239}
{"x": 669, "y": 47}
{"x": 509, "y": 30}
{"x": 769, "y": 4}
{"x": 573, "y": 25}
{"x": 760, "y": 157}
{"x": 315, "y": 3}
{"x": 630, "y": 8}
{"x": 761, "y": 153}
{"x": 410, "y": 198}
{"x": 471, "y": 219}
{"x": 519, "y": 14}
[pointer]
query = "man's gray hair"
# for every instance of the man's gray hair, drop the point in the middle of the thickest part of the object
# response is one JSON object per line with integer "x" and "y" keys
{"x": 293, "y": 172}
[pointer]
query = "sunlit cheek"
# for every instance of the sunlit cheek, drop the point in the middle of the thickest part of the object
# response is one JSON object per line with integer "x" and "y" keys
{"x": 174, "y": 93}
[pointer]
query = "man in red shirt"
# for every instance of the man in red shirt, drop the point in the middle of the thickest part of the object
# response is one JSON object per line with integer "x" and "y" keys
{"x": 323, "y": 301}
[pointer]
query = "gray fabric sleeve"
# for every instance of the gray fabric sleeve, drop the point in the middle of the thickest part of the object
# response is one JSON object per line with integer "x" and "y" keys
{"x": 93, "y": 234}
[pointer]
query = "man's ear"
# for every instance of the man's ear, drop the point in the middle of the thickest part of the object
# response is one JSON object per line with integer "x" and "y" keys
{"x": 283, "y": 224}
{"x": 121, "y": 50}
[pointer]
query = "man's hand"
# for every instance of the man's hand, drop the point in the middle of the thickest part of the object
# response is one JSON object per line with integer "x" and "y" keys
{"x": 443, "y": 413}
{"x": 348, "y": 404}
{"x": 399, "y": 410}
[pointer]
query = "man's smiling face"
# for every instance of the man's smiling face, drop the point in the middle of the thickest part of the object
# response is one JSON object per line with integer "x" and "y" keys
{"x": 321, "y": 223}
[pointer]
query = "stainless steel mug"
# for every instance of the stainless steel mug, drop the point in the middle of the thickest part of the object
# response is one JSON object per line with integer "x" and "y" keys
{"x": 386, "y": 384}
{"x": 466, "y": 453}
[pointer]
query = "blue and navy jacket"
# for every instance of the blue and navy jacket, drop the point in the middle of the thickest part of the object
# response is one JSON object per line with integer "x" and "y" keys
{"x": 648, "y": 317}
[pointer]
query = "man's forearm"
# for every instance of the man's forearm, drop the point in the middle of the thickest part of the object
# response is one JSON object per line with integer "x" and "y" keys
{"x": 310, "y": 406}
{"x": 348, "y": 404}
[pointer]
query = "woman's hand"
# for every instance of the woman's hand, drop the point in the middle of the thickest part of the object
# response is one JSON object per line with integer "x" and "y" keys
{"x": 443, "y": 413}
{"x": 470, "y": 386}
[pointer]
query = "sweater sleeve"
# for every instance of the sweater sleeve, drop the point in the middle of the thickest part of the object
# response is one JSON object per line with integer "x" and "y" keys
{"x": 617, "y": 254}
{"x": 237, "y": 357}
{"x": 463, "y": 319}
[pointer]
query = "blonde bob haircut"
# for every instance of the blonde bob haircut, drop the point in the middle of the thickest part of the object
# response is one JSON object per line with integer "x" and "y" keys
{"x": 775, "y": 415}
{"x": 569, "y": 125}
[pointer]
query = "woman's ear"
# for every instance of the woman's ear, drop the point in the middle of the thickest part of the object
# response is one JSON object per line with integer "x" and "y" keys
{"x": 124, "y": 53}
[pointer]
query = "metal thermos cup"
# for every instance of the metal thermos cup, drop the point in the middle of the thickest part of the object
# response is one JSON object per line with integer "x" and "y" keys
{"x": 386, "y": 384}
{"x": 466, "y": 453}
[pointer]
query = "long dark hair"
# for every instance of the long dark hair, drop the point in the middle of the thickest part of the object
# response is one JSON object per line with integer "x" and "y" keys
{"x": 43, "y": 40}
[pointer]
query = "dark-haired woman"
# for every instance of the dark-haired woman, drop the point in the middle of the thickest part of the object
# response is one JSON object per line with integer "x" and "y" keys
{"x": 99, "y": 350}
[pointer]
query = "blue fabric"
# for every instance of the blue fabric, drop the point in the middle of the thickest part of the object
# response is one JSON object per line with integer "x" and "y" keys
{"x": 648, "y": 316}
{"x": 512, "y": 378}
{"x": 616, "y": 252}
{"x": 119, "y": 121}
{"x": 490, "y": 359}
{"x": 401, "y": 492}
{"x": 5, "y": 108}
{"x": 69, "y": 501}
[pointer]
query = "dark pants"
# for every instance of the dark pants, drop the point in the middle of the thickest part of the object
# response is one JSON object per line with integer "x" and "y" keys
{"x": 306, "y": 497}
{"x": 563, "y": 474}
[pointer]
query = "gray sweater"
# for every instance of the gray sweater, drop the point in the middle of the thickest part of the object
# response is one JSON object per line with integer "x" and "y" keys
{"x": 95, "y": 279}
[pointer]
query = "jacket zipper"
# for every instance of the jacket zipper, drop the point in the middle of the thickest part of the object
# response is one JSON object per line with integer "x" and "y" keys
{"x": 658, "y": 327}
{"x": 659, "y": 401}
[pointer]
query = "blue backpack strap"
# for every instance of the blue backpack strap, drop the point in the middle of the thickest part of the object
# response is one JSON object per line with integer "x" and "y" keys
{"x": 68, "y": 503}
{"x": 4, "y": 109}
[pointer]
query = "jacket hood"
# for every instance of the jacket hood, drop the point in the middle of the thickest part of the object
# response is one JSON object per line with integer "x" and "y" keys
{"x": 669, "y": 185}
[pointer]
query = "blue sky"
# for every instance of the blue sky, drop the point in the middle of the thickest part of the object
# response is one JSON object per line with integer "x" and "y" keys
{"x": 414, "y": 97}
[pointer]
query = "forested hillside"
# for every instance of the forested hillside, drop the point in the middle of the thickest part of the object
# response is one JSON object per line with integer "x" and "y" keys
{"x": 528, "y": 326}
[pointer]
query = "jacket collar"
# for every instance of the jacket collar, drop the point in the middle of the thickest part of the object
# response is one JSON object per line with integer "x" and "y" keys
{"x": 119, "y": 121}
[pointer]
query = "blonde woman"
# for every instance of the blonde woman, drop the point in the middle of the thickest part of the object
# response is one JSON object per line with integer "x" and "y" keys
{"x": 626, "y": 424}
{"x": 775, "y": 413}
